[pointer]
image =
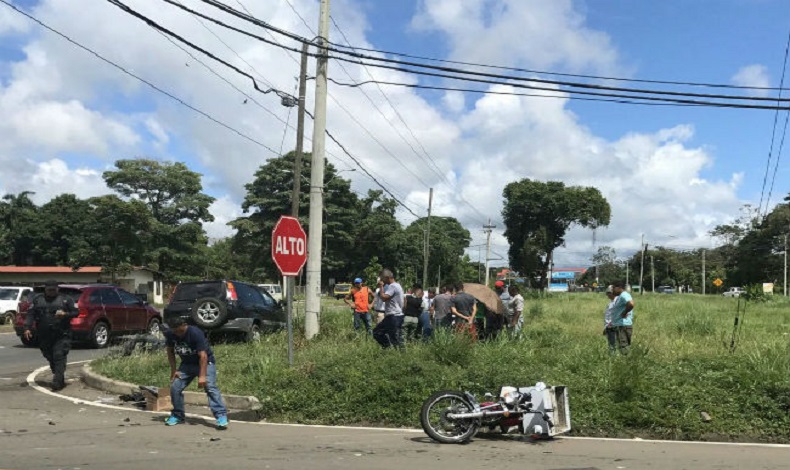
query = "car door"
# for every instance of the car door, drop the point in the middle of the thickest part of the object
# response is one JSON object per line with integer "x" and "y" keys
{"x": 113, "y": 308}
{"x": 249, "y": 302}
{"x": 271, "y": 314}
{"x": 136, "y": 313}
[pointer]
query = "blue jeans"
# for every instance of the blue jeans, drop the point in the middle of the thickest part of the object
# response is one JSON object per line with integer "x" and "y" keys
{"x": 427, "y": 325}
{"x": 362, "y": 317}
{"x": 187, "y": 372}
{"x": 388, "y": 332}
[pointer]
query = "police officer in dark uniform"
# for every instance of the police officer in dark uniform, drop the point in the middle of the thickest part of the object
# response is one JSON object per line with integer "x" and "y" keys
{"x": 52, "y": 313}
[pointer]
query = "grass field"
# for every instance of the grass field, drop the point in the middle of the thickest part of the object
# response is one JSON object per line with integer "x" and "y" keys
{"x": 680, "y": 365}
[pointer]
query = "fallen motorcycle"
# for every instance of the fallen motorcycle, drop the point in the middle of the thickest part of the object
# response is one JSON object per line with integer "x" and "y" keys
{"x": 453, "y": 417}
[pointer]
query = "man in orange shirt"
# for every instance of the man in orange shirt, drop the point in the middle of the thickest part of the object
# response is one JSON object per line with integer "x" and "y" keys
{"x": 361, "y": 297}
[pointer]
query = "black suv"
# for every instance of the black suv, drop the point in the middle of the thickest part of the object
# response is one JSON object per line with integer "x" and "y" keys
{"x": 226, "y": 307}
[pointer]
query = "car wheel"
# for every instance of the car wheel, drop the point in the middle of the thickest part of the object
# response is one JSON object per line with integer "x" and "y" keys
{"x": 100, "y": 335}
{"x": 155, "y": 328}
{"x": 209, "y": 312}
{"x": 8, "y": 318}
{"x": 253, "y": 335}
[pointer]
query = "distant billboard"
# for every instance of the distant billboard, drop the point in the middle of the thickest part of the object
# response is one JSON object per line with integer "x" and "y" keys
{"x": 563, "y": 275}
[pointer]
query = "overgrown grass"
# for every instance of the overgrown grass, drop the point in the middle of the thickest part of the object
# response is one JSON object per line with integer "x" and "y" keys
{"x": 679, "y": 366}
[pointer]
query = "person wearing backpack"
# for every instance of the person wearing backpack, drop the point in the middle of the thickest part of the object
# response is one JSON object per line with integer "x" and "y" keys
{"x": 361, "y": 297}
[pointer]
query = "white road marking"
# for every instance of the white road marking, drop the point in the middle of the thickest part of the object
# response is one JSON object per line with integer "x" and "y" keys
{"x": 31, "y": 380}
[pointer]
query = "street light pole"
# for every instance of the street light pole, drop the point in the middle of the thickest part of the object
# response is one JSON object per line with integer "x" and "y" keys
{"x": 313, "y": 288}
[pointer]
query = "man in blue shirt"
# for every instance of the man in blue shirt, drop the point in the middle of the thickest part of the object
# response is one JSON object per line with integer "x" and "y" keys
{"x": 197, "y": 360}
{"x": 623, "y": 317}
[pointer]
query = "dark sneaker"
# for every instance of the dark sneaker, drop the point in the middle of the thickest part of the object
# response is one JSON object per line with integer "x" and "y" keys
{"x": 222, "y": 422}
{"x": 172, "y": 421}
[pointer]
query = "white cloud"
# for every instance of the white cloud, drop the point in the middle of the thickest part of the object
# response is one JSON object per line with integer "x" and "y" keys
{"x": 754, "y": 75}
{"x": 544, "y": 35}
{"x": 11, "y": 22}
{"x": 49, "y": 178}
{"x": 60, "y": 100}
{"x": 224, "y": 210}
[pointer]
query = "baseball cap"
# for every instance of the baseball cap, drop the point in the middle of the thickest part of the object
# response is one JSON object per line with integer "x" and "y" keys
{"x": 500, "y": 284}
{"x": 51, "y": 283}
{"x": 610, "y": 289}
{"x": 358, "y": 280}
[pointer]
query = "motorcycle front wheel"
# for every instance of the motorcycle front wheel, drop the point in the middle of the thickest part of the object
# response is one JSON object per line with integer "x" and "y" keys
{"x": 437, "y": 424}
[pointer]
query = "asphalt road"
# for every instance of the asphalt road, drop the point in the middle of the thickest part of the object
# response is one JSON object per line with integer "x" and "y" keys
{"x": 39, "y": 429}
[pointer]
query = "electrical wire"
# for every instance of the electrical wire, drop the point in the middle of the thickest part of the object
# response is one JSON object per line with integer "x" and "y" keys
{"x": 560, "y": 94}
{"x": 773, "y": 135}
{"x": 464, "y": 78}
{"x": 301, "y": 39}
{"x": 438, "y": 171}
{"x": 138, "y": 78}
{"x": 163, "y": 30}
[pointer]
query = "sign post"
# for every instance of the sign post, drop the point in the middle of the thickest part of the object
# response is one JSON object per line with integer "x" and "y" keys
{"x": 289, "y": 253}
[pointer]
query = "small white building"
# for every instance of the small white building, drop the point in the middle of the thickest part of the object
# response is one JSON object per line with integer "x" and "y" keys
{"x": 140, "y": 280}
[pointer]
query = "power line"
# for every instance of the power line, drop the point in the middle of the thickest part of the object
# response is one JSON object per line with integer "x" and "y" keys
{"x": 773, "y": 135}
{"x": 438, "y": 171}
{"x": 137, "y": 77}
{"x": 301, "y": 39}
{"x": 296, "y": 37}
{"x": 559, "y": 74}
{"x": 275, "y": 43}
{"x": 375, "y": 106}
{"x": 163, "y": 30}
{"x": 560, "y": 93}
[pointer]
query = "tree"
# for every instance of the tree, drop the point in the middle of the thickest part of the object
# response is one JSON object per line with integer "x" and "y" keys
{"x": 449, "y": 240}
{"x": 269, "y": 196}
{"x": 119, "y": 233}
{"x": 609, "y": 269}
{"x": 172, "y": 191}
{"x": 19, "y": 216}
{"x": 178, "y": 207}
{"x": 62, "y": 238}
{"x": 537, "y": 216}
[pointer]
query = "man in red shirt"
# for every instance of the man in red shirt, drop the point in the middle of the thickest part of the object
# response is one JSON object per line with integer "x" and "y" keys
{"x": 361, "y": 297}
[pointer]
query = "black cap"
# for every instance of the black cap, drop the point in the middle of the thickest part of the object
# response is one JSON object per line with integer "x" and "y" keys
{"x": 51, "y": 283}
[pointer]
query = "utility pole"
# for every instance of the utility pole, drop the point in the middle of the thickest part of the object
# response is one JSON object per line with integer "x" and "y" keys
{"x": 297, "y": 186}
{"x": 313, "y": 288}
{"x": 642, "y": 267}
{"x": 653, "y": 273}
{"x": 785, "y": 265}
{"x": 703, "y": 271}
{"x": 487, "y": 229}
{"x": 299, "y": 134}
{"x": 427, "y": 250}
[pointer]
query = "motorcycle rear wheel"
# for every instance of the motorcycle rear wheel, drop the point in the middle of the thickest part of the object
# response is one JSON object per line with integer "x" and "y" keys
{"x": 436, "y": 424}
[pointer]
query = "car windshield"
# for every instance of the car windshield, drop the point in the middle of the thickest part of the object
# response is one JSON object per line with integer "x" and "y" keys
{"x": 195, "y": 290}
{"x": 8, "y": 294}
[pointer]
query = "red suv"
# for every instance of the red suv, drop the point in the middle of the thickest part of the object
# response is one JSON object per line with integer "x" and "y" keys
{"x": 104, "y": 311}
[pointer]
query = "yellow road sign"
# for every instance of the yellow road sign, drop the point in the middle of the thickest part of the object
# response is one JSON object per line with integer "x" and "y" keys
{"x": 718, "y": 282}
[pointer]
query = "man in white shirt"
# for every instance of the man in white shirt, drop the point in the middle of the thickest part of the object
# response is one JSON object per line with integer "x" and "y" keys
{"x": 516, "y": 320}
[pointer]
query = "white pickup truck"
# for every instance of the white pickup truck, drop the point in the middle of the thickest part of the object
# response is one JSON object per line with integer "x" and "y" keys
{"x": 734, "y": 292}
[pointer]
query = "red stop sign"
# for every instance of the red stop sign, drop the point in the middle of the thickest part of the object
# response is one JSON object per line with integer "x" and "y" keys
{"x": 289, "y": 246}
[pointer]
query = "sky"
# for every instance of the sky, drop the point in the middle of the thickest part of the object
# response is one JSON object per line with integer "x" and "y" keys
{"x": 670, "y": 174}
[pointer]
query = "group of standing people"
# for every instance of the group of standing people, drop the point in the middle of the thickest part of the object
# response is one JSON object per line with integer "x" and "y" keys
{"x": 416, "y": 314}
{"x": 619, "y": 318}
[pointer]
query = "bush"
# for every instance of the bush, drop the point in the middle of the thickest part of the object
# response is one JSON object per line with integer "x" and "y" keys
{"x": 677, "y": 368}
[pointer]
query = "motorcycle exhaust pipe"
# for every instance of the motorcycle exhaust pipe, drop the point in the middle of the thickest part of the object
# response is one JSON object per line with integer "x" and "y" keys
{"x": 481, "y": 414}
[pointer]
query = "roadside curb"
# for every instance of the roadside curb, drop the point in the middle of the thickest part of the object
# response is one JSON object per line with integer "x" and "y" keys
{"x": 94, "y": 380}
